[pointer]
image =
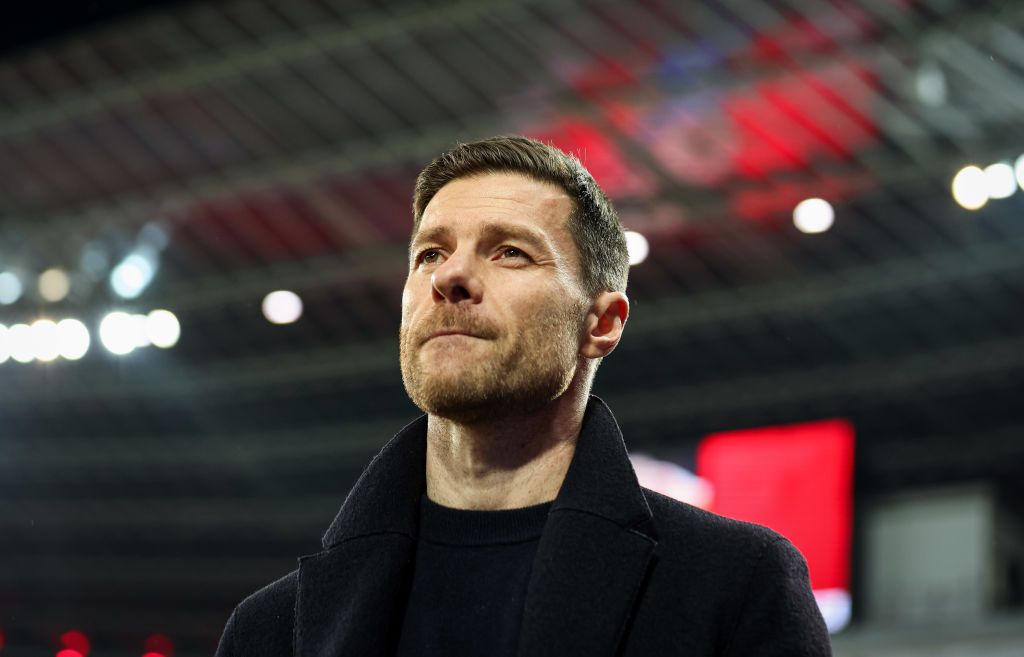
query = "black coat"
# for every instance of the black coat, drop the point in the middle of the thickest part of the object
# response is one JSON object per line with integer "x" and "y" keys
{"x": 620, "y": 570}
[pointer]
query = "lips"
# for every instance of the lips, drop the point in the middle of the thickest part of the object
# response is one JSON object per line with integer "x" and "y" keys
{"x": 446, "y": 332}
{"x": 466, "y": 325}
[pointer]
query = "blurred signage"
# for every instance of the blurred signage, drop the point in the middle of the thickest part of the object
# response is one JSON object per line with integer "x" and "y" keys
{"x": 797, "y": 480}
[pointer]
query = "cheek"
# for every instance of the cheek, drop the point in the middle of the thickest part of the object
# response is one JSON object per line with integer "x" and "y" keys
{"x": 407, "y": 298}
{"x": 542, "y": 308}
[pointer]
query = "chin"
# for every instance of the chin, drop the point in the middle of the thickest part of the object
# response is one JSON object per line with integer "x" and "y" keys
{"x": 462, "y": 402}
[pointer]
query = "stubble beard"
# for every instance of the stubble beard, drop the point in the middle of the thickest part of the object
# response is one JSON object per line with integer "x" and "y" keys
{"x": 518, "y": 376}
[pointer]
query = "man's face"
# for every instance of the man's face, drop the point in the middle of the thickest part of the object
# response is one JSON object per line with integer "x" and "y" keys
{"x": 493, "y": 310}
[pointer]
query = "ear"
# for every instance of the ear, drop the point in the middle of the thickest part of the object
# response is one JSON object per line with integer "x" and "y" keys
{"x": 604, "y": 324}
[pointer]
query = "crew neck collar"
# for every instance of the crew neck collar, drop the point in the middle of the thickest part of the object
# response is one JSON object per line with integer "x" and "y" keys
{"x": 450, "y": 526}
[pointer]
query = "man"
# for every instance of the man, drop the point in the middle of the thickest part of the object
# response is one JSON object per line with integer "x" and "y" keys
{"x": 508, "y": 520}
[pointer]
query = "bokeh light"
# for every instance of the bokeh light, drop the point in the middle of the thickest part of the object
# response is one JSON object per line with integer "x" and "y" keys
{"x": 970, "y": 188}
{"x": 76, "y": 641}
{"x": 637, "y": 246}
{"x": 54, "y": 285}
{"x": 132, "y": 276}
{"x": 10, "y": 287}
{"x": 138, "y": 323}
{"x": 813, "y": 215}
{"x": 282, "y": 307}
{"x": 1000, "y": 181}
{"x": 162, "y": 329}
{"x": 19, "y": 337}
{"x": 119, "y": 333}
{"x": 930, "y": 83}
{"x": 5, "y": 348}
{"x": 44, "y": 340}
{"x": 1018, "y": 171}
{"x": 158, "y": 645}
{"x": 72, "y": 339}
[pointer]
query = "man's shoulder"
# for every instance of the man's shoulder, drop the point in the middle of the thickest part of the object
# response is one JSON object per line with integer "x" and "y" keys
{"x": 263, "y": 623}
{"x": 703, "y": 532}
{"x": 274, "y": 599}
{"x": 743, "y": 588}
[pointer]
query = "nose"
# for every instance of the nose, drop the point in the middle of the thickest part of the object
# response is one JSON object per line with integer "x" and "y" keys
{"x": 456, "y": 280}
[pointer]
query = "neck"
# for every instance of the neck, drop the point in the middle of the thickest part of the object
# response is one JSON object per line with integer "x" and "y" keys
{"x": 506, "y": 463}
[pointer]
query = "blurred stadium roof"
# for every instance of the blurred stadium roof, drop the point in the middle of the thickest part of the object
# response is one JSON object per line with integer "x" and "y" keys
{"x": 274, "y": 145}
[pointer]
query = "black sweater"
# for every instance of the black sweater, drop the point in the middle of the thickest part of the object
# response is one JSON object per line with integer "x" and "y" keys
{"x": 469, "y": 581}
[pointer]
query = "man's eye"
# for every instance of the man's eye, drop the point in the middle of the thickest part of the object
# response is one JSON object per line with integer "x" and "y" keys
{"x": 430, "y": 256}
{"x": 512, "y": 252}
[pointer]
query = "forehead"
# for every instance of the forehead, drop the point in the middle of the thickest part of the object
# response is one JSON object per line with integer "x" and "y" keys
{"x": 500, "y": 197}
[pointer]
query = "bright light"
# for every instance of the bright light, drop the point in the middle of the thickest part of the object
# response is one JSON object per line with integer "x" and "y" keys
{"x": 44, "y": 340}
{"x": 76, "y": 642}
{"x": 68, "y": 652}
{"x": 10, "y": 288}
{"x": 158, "y": 645}
{"x": 813, "y": 215}
{"x": 120, "y": 332}
{"x": 931, "y": 84}
{"x": 72, "y": 339}
{"x": 1018, "y": 169}
{"x": 139, "y": 331}
{"x": 154, "y": 236}
{"x": 970, "y": 188}
{"x": 637, "y": 247}
{"x": 5, "y": 347}
{"x": 132, "y": 276}
{"x": 53, "y": 285}
{"x": 999, "y": 180}
{"x": 19, "y": 337}
{"x": 282, "y": 307}
{"x": 163, "y": 329}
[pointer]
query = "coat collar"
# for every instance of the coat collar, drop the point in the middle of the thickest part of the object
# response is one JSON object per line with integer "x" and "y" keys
{"x": 590, "y": 563}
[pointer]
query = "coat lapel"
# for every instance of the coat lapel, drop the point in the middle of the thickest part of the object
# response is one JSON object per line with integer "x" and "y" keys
{"x": 590, "y": 564}
{"x": 351, "y": 596}
{"x": 594, "y": 553}
{"x": 585, "y": 582}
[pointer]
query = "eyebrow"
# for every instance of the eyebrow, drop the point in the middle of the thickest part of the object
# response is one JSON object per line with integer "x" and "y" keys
{"x": 435, "y": 234}
{"x": 493, "y": 232}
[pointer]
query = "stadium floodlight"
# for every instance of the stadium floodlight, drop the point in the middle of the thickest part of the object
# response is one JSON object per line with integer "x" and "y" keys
{"x": 1000, "y": 181}
{"x": 970, "y": 188}
{"x": 44, "y": 340}
{"x": 282, "y": 307}
{"x": 162, "y": 328}
{"x": 637, "y": 246}
{"x": 5, "y": 347}
{"x": 19, "y": 339}
{"x": 813, "y": 215}
{"x": 133, "y": 274}
{"x": 119, "y": 333}
{"x": 10, "y": 287}
{"x": 72, "y": 339}
{"x": 54, "y": 285}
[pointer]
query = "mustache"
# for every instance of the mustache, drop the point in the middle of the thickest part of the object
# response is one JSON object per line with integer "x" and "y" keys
{"x": 448, "y": 320}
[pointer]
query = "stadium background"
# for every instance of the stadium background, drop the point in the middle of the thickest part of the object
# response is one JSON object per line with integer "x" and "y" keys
{"x": 195, "y": 156}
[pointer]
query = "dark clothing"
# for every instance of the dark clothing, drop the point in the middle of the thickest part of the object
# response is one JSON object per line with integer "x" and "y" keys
{"x": 469, "y": 582}
{"x": 619, "y": 571}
